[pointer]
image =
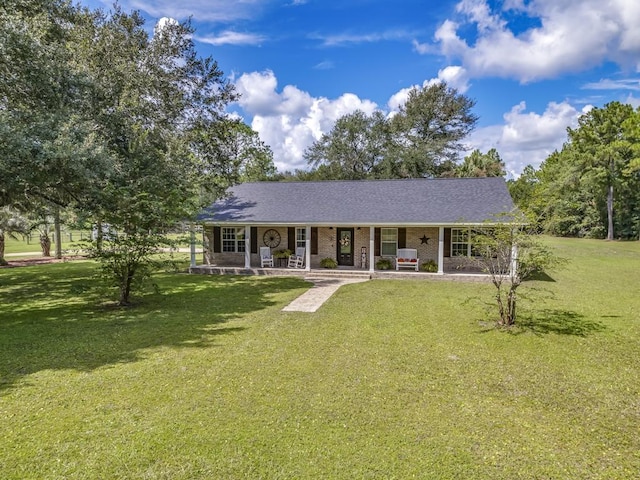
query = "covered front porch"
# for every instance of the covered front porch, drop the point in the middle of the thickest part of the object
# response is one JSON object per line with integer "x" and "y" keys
{"x": 370, "y": 249}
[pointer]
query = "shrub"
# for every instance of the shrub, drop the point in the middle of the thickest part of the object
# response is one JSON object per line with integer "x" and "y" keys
{"x": 282, "y": 253}
{"x": 383, "y": 264}
{"x": 429, "y": 266}
{"x": 328, "y": 263}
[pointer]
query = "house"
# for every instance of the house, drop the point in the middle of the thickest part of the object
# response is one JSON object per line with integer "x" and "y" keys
{"x": 353, "y": 222}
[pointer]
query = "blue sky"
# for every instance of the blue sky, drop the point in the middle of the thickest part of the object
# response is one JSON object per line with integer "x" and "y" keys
{"x": 532, "y": 66}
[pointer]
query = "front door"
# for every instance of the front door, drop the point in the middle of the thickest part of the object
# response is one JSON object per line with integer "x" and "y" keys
{"x": 345, "y": 246}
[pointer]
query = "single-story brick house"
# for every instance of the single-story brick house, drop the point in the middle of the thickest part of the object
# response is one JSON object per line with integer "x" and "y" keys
{"x": 353, "y": 222}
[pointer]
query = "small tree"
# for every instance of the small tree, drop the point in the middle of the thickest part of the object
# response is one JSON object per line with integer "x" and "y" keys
{"x": 127, "y": 261}
{"x": 510, "y": 254}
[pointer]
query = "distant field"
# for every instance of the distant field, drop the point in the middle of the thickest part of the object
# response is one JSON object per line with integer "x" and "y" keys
{"x": 208, "y": 379}
{"x": 31, "y": 247}
{"x": 24, "y": 245}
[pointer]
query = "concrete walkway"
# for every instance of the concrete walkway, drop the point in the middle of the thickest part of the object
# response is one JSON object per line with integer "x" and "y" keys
{"x": 322, "y": 289}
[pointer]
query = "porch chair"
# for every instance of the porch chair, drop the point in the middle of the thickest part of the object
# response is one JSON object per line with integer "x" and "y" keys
{"x": 266, "y": 259}
{"x": 297, "y": 260}
{"x": 407, "y": 257}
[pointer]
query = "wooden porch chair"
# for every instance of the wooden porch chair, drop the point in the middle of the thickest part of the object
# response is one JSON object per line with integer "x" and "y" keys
{"x": 297, "y": 260}
{"x": 407, "y": 257}
{"x": 266, "y": 259}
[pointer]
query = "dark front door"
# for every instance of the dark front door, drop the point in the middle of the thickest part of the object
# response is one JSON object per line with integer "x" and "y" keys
{"x": 345, "y": 246}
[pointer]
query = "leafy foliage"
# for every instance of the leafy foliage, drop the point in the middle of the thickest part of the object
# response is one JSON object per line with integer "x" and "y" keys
{"x": 591, "y": 187}
{"x": 127, "y": 261}
{"x": 328, "y": 263}
{"x": 429, "y": 266}
{"x": 384, "y": 264}
{"x": 510, "y": 255}
{"x": 12, "y": 223}
{"x": 125, "y": 127}
{"x": 478, "y": 164}
{"x": 422, "y": 140}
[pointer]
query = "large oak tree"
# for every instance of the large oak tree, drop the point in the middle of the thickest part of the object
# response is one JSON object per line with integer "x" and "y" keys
{"x": 100, "y": 115}
{"x": 424, "y": 139}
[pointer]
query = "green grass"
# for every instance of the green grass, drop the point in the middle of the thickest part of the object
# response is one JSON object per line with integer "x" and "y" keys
{"x": 22, "y": 245}
{"x": 389, "y": 379}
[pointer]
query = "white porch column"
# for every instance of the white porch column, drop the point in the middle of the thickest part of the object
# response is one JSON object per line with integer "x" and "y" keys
{"x": 307, "y": 248}
{"x": 441, "y": 251}
{"x": 247, "y": 246}
{"x": 192, "y": 243}
{"x": 372, "y": 247}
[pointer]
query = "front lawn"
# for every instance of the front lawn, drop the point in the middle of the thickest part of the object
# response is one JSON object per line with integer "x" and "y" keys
{"x": 389, "y": 379}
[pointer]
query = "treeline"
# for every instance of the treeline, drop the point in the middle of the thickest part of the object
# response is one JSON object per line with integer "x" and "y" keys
{"x": 591, "y": 187}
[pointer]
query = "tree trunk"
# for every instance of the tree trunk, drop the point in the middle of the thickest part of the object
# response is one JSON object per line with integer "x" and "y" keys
{"x": 501, "y": 311}
{"x": 2, "y": 260}
{"x": 45, "y": 244}
{"x": 58, "y": 233}
{"x": 98, "y": 238}
{"x": 511, "y": 307}
{"x": 125, "y": 289}
{"x": 610, "y": 212}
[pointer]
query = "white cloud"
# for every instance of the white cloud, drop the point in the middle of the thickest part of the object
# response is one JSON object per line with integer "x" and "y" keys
{"x": 633, "y": 101}
{"x": 325, "y": 65}
{"x": 572, "y": 36}
{"x": 343, "y": 39}
{"x": 163, "y": 23}
{"x": 608, "y": 84}
{"x": 203, "y": 10}
{"x": 527, "y": 138}
{"x": 291, "y": 120}
{"x": 229, "y": 37}
{"x": 455, "y": 77}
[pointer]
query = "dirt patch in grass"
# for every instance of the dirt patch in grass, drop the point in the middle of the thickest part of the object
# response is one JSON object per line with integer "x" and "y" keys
{"x": 28, "y": 262}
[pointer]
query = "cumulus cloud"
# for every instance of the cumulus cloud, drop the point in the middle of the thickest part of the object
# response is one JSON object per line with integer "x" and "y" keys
{"x": 569, "y": 36}
{"x": 455, "y": 76}
{"x": 528, "y": 138}
{"x": 290, "y": 120}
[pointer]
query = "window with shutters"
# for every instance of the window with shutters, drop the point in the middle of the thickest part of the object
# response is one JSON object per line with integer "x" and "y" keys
{"x": 460, "y": 242}
{"x": 388, "y": 241}
{"x": 233, "y": 239}
{"x": 301, "y": 237}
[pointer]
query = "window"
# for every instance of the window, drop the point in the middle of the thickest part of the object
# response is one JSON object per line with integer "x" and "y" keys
{"x": 460, "y": 242}
{"x": 389, "y": 241}
{"x": 301, "y": 237}
{"x": 233, "y": 239}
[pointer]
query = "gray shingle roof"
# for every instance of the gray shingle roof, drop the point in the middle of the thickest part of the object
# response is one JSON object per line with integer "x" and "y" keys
{"x": 443, "y": 201}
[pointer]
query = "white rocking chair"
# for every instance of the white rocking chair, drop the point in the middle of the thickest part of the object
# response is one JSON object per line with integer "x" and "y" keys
{"x": 297, "y": 260}
{"x": 266, "y": 259}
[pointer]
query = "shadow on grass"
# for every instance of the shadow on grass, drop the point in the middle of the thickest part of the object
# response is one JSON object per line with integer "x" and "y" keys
{"x": 558, "y": 321}
{"x": 51, "y": 317}
{"x": 540, "y": 277}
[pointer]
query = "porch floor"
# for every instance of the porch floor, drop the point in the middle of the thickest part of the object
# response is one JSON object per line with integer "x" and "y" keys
{"x": 341, "y": 272}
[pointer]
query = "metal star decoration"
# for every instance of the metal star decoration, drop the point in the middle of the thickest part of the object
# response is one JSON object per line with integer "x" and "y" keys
{"x": 425, "y": 239}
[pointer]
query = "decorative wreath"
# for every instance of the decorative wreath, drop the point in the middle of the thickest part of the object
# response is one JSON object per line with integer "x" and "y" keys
{"x": 344, "y": 241}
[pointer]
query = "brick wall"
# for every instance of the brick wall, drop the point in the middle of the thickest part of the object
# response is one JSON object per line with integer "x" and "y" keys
{"x": 327, "y": 246}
